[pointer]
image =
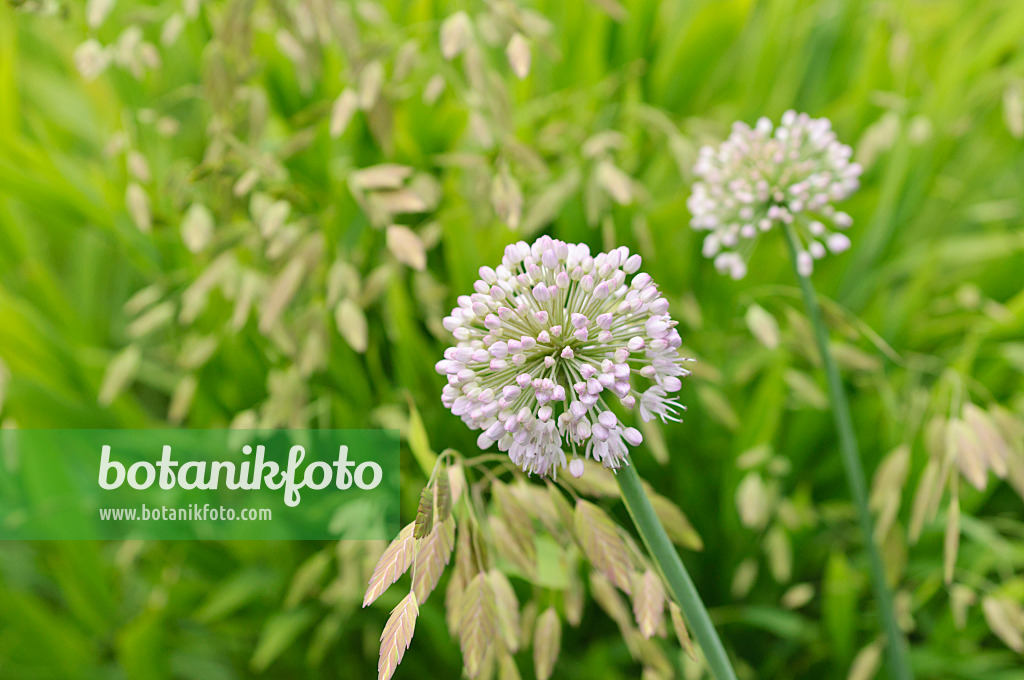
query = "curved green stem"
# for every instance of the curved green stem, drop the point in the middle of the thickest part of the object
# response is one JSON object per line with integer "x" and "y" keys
{"x": 896, "y": 650}
{"x": 665, "y": 556}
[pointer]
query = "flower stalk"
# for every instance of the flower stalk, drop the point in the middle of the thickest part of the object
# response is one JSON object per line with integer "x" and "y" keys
{"x": 897, "y": 656}
{"x": 674, "y": 572}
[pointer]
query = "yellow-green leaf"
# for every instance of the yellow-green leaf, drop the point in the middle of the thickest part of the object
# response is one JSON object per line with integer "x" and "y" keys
{"x": 419, "y": 443}
{"x": 278, "y": 633}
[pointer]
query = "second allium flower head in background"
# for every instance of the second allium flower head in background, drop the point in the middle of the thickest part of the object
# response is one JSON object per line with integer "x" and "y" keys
{"x": 765, "y": 176}
{"x": 547, "y": 339}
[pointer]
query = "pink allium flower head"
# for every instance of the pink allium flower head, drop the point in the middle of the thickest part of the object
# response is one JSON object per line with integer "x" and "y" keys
{"x": 548, "y": 340}
{"x": 769, "y": 175}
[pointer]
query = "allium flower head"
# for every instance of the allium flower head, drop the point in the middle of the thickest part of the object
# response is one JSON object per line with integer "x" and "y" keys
{"x": 761, "y": 177}
{"x": 547, "y": 341}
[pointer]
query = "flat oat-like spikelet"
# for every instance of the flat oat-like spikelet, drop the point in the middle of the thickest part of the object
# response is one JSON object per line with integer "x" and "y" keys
{"x": 397, "y": 635}
{"x": 547, "y": 642}
{"x": 397, "y": 558}
{"x": 602, "y": 544}
{"x": 477, "y": 623}
{"x": 434, "y": 553}
{"x": 648, "y": 602}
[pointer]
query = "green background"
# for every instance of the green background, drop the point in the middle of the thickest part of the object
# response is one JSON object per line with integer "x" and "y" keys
{"x": 927, "y": 308}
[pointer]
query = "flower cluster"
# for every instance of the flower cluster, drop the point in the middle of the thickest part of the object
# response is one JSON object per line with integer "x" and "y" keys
{"x": 763, "y": 176}
{"x": 547, "y": 340}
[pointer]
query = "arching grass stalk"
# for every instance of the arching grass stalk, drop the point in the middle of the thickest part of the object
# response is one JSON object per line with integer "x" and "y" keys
{"x": 897, "y": 656}
{"x": 671, "y": 566}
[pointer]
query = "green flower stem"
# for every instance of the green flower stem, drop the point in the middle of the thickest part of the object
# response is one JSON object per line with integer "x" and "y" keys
{"x": 896, "y": 650}
{"x": 664, "y": 553}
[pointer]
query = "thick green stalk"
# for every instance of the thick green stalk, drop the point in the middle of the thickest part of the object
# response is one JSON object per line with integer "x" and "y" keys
{"x": 896, "y": 650}
{"x": 673, "y": 571}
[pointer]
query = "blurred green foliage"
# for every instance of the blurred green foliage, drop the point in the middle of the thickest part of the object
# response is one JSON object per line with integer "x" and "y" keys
{"x": 289, "y": 297}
